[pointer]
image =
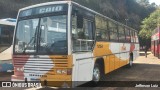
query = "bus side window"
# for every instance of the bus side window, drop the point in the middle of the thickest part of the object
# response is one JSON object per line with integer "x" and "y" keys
{"x": 80, "y": 21}
{"x": 132, "y": 36}
{"x": 121, "y": 34}
{"x": 102, "y": 33}
{"x": 82, "y": 38}
{"x": 128, "y": 37}
{"x": 113, "y": 31}
{"x": 136, "y": 37}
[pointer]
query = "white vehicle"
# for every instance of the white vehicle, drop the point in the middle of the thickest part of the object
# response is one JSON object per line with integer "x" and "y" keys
{"x": 6, "y": 38}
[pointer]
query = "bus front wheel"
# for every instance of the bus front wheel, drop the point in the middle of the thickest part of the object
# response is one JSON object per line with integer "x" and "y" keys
{"x": 96, "y": 73}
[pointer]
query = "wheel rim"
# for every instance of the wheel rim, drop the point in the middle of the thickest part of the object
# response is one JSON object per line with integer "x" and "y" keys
{"x": 96, "y": 74}
{"x": 130, "y": 63}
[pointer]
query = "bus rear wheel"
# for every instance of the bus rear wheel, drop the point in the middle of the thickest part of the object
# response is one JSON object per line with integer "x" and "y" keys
{"x": 130, "y": 64}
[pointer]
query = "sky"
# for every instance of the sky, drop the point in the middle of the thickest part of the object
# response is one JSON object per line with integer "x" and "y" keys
{"x": 156, "y": 1}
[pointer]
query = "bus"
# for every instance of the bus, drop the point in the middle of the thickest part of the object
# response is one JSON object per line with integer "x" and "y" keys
{"x": 155, "y": 47}
{"x": 63, "y": 43}
{"x": 6, "y": 36}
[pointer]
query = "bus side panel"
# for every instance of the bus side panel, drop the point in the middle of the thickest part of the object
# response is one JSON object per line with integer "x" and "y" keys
{"x": 83, "y": 68}
{"x": 117, "y": 62}
{"x": 102, "y": 48}
{"x": 122, "y": 61}
{"x": 112, "y": 62}
{"x": 107, "y": 65}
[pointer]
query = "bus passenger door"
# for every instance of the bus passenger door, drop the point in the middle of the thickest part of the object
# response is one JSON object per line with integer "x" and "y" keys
{"x": 82, "y": 46}
{"x": 83, "y": 68}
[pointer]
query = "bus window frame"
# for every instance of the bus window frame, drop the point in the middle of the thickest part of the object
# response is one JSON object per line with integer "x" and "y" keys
{"x": 39, "y": 16}
{"x": 128, "y": 32}
{"x": 122, "y": 33}
{"x": 106, "y": 29}
{"x": 113, "y": 31}
{"x": 6, "y": 29}
{"x": 88, "y": 18}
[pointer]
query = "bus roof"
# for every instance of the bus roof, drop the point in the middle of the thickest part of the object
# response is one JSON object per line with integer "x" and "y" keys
{"x": 8, "y": 21}
{"x": 47, "y": 3}
{"x": 67, "y": 2}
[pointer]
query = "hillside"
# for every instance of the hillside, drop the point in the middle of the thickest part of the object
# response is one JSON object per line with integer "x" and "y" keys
{"x": 118, "y": 10}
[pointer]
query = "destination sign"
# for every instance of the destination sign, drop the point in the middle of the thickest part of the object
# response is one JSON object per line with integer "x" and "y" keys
{"x": 50, "y": 9}
{"x": 43, "y": 10}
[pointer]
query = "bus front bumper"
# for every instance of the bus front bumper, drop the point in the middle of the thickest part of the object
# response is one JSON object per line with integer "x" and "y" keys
{"x": 54, "y": 81}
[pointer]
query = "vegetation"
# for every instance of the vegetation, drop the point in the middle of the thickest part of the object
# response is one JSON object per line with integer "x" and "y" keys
{"x": 149, "y": 24}
{"x": 120, "y": 10}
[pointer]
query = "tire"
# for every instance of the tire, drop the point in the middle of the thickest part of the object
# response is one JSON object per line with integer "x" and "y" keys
{"x": 96, "y": 73}
{"x": 130, "y": 64}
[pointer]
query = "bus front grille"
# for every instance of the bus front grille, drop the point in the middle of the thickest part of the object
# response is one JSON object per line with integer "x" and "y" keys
{"x": 40, "y": 65}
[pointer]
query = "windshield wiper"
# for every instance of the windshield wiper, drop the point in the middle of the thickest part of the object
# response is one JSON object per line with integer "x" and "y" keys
{"x": 33, "y": 38}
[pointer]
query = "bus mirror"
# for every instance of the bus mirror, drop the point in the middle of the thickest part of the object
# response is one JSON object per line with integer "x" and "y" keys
{"x": 79, "y": 21}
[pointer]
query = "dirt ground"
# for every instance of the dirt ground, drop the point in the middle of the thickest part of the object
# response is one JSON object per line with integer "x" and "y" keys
{"x": 5, "y": 76}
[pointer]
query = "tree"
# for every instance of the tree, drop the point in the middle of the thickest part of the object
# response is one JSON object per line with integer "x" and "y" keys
{"x": 144, "y": 2}
{"x": 148, "y": 25}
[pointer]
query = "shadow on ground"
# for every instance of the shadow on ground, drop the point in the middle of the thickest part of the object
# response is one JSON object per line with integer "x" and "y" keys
{"x": 143, "y": 54}
{"x": 6, "y": 76}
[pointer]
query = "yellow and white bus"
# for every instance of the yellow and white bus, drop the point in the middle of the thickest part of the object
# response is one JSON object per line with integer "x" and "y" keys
{"x": 67, "y": 42}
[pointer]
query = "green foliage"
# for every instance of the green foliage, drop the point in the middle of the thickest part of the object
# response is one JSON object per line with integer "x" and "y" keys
{"x": 149, "y": 24}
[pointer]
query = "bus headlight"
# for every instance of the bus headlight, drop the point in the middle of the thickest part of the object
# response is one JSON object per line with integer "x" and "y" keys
{"x": 20, "y": 69}
{"x": 58, "y": 71}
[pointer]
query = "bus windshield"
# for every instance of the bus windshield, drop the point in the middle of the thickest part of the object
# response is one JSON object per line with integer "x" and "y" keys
{"x": 46, "y": 35}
